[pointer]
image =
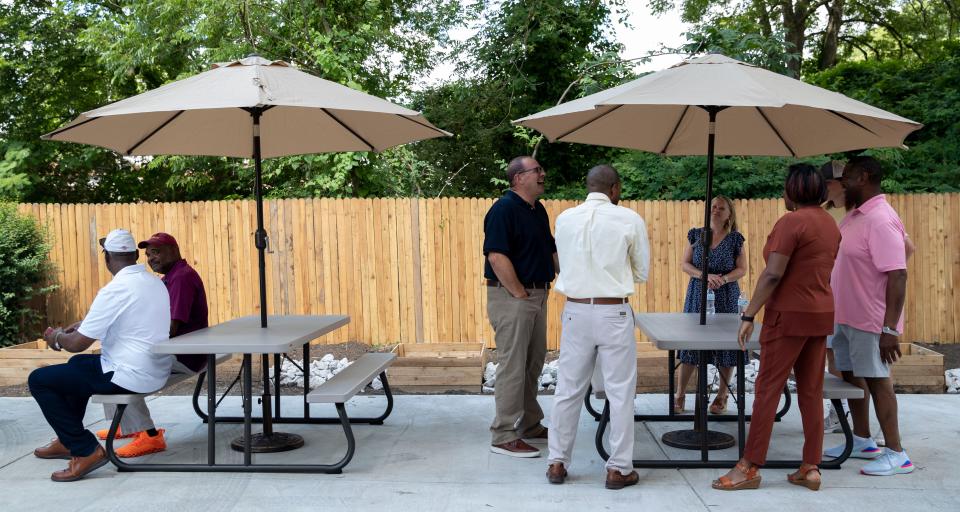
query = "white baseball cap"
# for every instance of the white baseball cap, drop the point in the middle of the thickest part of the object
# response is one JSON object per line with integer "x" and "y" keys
{"x": 118, "y": 240}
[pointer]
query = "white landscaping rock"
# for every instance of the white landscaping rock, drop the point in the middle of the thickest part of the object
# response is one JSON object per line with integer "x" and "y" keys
{"x": 953, "y": 380}
{"x": 321, "y": 370}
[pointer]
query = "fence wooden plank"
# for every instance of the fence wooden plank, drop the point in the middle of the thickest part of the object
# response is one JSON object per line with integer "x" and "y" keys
{"x": 414, "y": 278}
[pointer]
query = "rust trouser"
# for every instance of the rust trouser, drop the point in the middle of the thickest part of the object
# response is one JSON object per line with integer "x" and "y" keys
{"x": 805, "y": 356}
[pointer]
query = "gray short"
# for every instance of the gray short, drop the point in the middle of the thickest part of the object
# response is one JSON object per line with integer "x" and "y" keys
{"x": 858, "y": 352}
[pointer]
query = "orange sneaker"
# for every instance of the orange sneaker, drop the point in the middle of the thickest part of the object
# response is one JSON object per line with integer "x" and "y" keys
{"x": 102, "y": 434}
{"x": 143, "y": 444}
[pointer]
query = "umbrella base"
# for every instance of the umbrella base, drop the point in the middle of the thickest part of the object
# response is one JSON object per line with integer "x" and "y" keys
{"x": 690, "y": 439}
{"x": 276, "y": 442}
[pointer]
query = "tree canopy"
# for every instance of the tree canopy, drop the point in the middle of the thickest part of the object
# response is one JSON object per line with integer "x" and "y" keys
{"x": 59, "y": 58}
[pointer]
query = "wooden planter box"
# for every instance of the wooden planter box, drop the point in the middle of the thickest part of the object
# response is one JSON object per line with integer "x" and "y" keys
{"x": 652, "y": 376}
{"x": 437, "y": 368}
{"x": 920, "y": 370}
{"x": 18, "y": 361}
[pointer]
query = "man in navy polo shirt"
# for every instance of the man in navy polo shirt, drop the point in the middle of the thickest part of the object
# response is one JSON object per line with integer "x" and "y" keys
{"x": 521, "y": 261}
{"x": 188, "y": 313}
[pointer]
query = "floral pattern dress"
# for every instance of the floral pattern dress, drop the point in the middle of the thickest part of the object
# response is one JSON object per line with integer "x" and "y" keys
{"x": 723, "y": 259}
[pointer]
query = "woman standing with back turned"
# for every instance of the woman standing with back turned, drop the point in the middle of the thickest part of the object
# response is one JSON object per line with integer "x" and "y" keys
{"x": 795, "y": 289}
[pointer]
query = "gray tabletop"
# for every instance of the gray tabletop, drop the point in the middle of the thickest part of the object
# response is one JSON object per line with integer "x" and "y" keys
{"x": 245, "y": 336}
{"x": 682, "y": 331}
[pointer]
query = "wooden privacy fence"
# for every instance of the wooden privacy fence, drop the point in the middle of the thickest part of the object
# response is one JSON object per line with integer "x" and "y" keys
{"x": 410, "y": 270}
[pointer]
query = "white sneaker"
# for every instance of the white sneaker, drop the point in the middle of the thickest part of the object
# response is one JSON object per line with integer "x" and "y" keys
{"x": 863, "y": 448}
{"x": 890, "y": 463}
{"x": 831, "y": 422}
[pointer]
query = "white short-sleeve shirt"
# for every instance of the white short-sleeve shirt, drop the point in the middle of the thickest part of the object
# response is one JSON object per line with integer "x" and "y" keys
{"x": 129, "y": 315}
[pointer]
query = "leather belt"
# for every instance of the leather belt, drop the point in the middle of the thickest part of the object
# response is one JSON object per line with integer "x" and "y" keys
{"x": 605, "y": 301}
{"x": 529, "y": 286}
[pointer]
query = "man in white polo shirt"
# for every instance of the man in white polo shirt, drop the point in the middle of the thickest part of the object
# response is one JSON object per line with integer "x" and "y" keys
{"x": 129, "y": 315}
{"x": 603, "y": 251}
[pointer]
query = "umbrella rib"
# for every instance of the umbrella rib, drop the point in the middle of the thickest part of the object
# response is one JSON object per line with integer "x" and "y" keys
{"x": 776, "y": 131}
{"x": 61, "y": 130}
{"x": 847, "y": 119}
{"x": 345, "y": 127}
{"x": 675, "y": 128}
{"x": 412, "y": 120}
{"x": 154, "y": 132}
{"x": 585, "y": 123}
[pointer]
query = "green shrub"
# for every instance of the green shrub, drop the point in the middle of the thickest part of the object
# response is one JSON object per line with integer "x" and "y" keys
{"x": 24, "y": 274}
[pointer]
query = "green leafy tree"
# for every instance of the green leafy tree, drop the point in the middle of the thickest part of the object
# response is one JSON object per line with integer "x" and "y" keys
{"x": 24, "y": 275}
{"x": 68, "y": 57}
{"x": 522, "y": 59}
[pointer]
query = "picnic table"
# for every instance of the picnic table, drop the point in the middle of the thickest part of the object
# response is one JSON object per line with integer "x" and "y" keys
{"x": 682, "y": 331}
{"x": 245, "y": 336}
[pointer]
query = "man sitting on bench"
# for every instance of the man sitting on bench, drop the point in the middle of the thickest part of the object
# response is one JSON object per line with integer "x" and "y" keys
{"x": 129, "y": 315}
{"x": 188, "y": 313}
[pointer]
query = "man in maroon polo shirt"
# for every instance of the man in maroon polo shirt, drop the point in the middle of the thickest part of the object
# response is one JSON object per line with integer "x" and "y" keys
{"x": 188, "y": 313}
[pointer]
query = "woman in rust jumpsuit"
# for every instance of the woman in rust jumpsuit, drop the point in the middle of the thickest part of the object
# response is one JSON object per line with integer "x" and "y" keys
{"x": 795, "y": 290}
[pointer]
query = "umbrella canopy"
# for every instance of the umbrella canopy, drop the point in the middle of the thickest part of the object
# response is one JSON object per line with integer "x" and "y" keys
{"x": 209, "y": 114}
{"x": 251, "y": 108}
{"x": 765, "y": 114}
{"x": 715, "y": 105}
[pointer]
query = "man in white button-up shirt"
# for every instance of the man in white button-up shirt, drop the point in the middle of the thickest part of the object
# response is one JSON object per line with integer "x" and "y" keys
{"x": 129, "y": 315}
{"x": 603, "y": 251}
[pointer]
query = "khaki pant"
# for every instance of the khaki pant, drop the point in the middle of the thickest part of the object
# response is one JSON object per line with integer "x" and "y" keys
{"x": 136, "y": 417}
{"x": 520, "y": 327}
{"x": 602, "y": 335}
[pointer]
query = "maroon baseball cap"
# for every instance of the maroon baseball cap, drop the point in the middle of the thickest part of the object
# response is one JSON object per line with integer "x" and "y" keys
{"x": 159, "y": 239}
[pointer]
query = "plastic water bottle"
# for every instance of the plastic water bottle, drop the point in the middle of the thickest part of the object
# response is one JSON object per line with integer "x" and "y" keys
{"x": 711, "y": 302}
{"x": 742, "y": 303}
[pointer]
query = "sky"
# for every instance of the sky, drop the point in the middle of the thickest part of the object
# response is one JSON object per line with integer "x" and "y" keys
{"x": 647, "y": 33}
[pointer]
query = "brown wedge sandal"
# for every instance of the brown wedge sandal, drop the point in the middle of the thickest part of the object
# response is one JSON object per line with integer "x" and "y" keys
{"x": 678, "y": 404}
{"x": 752, "y": 482}
{"x": 800, "y": 477}
{"x": 719, "y": 406}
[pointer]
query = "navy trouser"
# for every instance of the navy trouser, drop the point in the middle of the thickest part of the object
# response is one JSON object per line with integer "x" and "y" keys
{"x": 62, "y": 392}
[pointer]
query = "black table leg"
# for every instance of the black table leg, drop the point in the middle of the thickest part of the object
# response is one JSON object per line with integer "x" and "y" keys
{"x": 211, "y": 409}
{"x": 672, "y": 381}
{"x": 276, "y": 385}
{"x": 306, "y": 380}
{"x": 741, "y": 401}
{"x": 700, "y": 438}
{"x": 247, "y": 407}
{"x": 268, "y": 441}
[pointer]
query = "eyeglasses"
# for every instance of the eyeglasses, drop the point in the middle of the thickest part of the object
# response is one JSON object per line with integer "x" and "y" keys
{"x": 536, "y": 169}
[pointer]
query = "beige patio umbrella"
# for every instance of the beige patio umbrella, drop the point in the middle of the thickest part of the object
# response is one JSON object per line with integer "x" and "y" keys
{"x": 250, "y": 108}
{"x": 715, "y": 105}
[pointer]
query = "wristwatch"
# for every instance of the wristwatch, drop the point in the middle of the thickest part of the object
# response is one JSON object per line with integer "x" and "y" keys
{"x": 888, "y": 330}
{"x": 745, "y": 318}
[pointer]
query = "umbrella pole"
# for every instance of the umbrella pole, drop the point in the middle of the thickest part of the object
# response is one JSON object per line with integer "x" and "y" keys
{"x": 260, "y": 237}
{"x": 707, "y": 238}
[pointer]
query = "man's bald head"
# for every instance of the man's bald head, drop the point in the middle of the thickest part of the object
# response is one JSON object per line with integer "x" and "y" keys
{"x": 605, "y": 180}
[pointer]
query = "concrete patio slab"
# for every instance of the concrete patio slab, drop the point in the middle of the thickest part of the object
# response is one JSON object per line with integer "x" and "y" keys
{"x": 432, "y": 455}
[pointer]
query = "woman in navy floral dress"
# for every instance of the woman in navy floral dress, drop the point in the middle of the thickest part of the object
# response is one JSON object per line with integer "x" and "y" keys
{"x": 727, "y": 265}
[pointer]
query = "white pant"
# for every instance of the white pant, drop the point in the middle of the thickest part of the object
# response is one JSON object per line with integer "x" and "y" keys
{"x": 604, "y": 334}
{"x": 136, "y": 417}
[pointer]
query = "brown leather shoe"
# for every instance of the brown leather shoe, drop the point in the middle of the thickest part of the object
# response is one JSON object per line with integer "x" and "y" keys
{"x": 54, "y": 450}
{"x": 515, "y": 448}
{"x": 615, "y": 480}
{"x": 80, "y": 466}
{"x": 556, "y": 473}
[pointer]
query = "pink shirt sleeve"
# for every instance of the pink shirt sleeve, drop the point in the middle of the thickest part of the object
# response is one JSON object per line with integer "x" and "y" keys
{"x": 887, "y": 247}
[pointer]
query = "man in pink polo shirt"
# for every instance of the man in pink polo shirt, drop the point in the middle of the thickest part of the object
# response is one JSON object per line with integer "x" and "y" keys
{"x": 869, "y": 283}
